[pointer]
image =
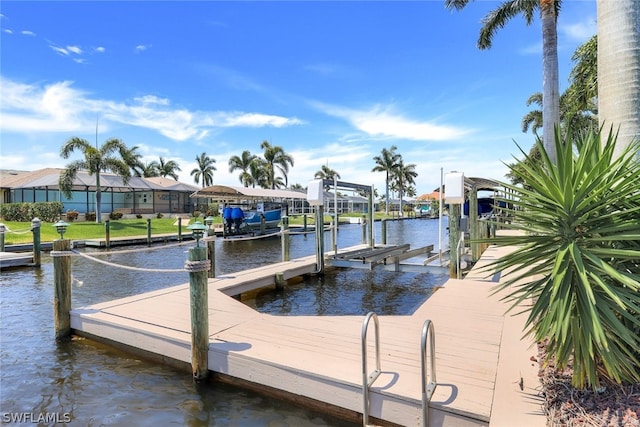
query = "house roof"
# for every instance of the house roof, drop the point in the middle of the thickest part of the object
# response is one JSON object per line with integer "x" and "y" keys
{"x": 48, "y": 179}
{"x": 226, "y": 192}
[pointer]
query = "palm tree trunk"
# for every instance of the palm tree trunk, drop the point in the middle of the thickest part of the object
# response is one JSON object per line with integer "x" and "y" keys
{"x": 98, "y": 199}
{"x": 619, "y": 68}
{"x": 550, "y": 85}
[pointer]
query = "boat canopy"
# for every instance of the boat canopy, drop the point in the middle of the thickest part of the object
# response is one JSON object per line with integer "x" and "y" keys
{"x": 227, "y": 192}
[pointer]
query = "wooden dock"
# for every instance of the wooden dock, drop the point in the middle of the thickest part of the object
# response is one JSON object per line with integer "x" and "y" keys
{"x": 15, "y": 259}
{"x": 484, "y": 372}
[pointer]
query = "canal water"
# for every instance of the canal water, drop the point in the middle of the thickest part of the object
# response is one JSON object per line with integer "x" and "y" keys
{"x": 88, "y": 384}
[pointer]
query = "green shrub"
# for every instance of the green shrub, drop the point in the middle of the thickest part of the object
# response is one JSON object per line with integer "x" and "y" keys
{"x": 159, "y": 215}
{"x": 196, "y": 214}
{"x": 90, "y": 216}
{"x": 115, "y": 215}
{"x": 578, "y": 256}
{"x": 71, "y": 215}
{"x": 25, "y": 212}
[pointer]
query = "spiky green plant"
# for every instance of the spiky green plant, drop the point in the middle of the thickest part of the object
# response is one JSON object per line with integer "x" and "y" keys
{"x": 578, "y": 256}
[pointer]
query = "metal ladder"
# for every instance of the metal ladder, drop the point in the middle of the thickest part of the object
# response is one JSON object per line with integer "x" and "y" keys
{"x": 428, "y": 385}
{"x": 369, "y": 379}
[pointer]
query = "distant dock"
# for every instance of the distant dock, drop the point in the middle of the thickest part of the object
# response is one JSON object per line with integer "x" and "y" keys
{"x": 484, "y": 373}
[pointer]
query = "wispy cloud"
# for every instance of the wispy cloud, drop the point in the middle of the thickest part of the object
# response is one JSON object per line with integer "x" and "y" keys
{"x": 61, "y": 108}
{"x": 142, "y": 47}
{"x": 385, "y": 122}
{"x": 28, "y": 33}
{"x": 579, "y": 31}
{"x": 99, "y": 49}
{"x": 7, "y": 31}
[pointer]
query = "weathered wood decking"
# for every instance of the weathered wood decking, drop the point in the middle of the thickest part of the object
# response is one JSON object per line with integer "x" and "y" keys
{"x": 480, "y": 359}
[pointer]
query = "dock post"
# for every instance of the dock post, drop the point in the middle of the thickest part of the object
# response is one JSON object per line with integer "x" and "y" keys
{"x": 3, "y": 229}
{"x": 179, "y": 229}
{"x": 364, "y": 230}
{"x": 35, "y": 229}
{"x": 280, "y": 281}
{"x": 304, "y": 222}
{"x": 473, "y": 223}
{"x": 383, "y": 225}
{"x": 284, "y": 238}
{"x": 107, "y": 234}
{"x": 199, "y": 312}
{"x": 454, "y": 237}
{"x": 62, "y": 288}
{"x": 211, "y": 247}
{"x": 148, "y": 231}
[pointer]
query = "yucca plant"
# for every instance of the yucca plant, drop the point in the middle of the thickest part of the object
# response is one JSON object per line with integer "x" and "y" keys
{"x": 577, "y": 260}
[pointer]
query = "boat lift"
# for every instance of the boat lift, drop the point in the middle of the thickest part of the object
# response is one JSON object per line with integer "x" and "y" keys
{"x": 366, "y": 258}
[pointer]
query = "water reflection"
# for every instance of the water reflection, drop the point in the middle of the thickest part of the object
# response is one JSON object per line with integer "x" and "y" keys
{"x": 99, "y": 385}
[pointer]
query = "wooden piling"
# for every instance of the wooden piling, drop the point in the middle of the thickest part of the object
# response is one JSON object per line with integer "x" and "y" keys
{"x": 211, "y": 247}
{"x": 280, "y": 280}
{"x": 35, "y": 229}
{"x": 179, "y": 229}
{"x": 3, "y": 229}
{"x": 454, "y": 238}
{"x": 62, "y": 288}
{"x": 107, "y": 234}
{"x": 284, "y": 238}
{"x": 383, "y": 225}
{"x": 149, "y": 231}
{"x": 199, "y": 314}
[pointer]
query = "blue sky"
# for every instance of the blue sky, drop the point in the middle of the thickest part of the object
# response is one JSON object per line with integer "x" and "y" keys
{"x": 332, "y": 82}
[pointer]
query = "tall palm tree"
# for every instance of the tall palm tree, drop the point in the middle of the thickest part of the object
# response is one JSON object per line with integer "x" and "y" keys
{"x": 386, "y": 162}
{"x": 618, "y": 65}
{"x": 204, "y": 170}
{"x": 96, "y": 159}
{"x": 276, "y": 157}
{"x": 168, "y": 168}
{"x": 403, "y": 176}
{"x": 549, "y": 9}
{"x": 242, "y": 163}
{"x": 150, "y": 169}
{"x": 326, "y": 172}
{"x": 258, "y": 173}
{"x": 133, "y": 158}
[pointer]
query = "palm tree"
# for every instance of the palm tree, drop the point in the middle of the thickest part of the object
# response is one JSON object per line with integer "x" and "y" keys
{"x": 386, "y": 162}
{"x": 95, "y": 161}
{"x": 258, "y": 173}
{"x": 618, "y": 62}
{"x": 326, "y": 172}
{"x": 242, "y": 163}
{"x": 276, "y": 157}
{"x": 169, "y": 168}
{"x": 403, "y": 177}
{"x": 134, "y": 159}
{"x": 150, "y": 169}
{"x": 549, "y": 9}
{"x": 204, "y": 170}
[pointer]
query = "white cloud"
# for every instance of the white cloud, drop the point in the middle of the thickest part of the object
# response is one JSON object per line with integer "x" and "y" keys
{"x": 7, "y": 31}
{"x": 61, "y": 108}
{"x": 384, "y": 122}
{"x": 99, "y": 49}
{"x": 27, "y": 33}
{"x": 579, "y": 31}
{"x": 142, "y": 47}
{"x": 74, "y": 49}
{"x": 59, "y": 50}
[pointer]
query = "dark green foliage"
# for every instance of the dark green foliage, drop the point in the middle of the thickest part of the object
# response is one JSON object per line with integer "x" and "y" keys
{"x": 24, "y": 212}
{"x": 578, "y": 256}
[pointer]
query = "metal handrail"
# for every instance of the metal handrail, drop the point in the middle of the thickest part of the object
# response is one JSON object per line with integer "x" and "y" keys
{"x": 428, "y": 386}
{"x": 368, "y": 379}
